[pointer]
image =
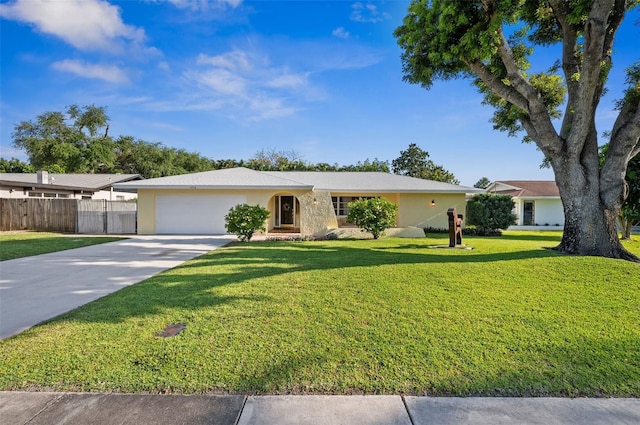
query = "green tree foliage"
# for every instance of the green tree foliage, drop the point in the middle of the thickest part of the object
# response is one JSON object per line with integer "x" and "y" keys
{"x": 367, "y": 165}
{"x": 483, "y": 183}
{"x": 373, "y": 215}
{"x": 415, "y": 162}
{"x": 244, "y": 220}
{"x": 151, "y": 160}
{"x": 275, "y": 160}
{"x": 281, "y": 160}
{"x": 14, "y": 165}
{"x": 446, "y": 39}
{"x": 490, "y": 211}
{"x": 76, "y": 140}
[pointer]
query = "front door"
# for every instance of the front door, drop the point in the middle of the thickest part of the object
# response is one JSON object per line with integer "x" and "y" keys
{"x": 287, "y": 211}
{"x": 529, "y": 213}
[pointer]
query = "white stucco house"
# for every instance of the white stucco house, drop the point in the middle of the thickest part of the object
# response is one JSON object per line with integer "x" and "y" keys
{"x": 538, "y": 203}
{"x": 310, "y": 203}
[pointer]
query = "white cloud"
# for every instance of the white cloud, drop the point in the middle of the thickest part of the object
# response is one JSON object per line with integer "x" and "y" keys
{"x": 221, "y": 81}
{"x": 288, "y": 80}
{"x": 109, "y": 73}
{"x": 248, "y": 86}
{"x": 367, "y": 13}
{"x": 340, "y": 33}
{"x": 269, "y": 108}
{"x": 164, "y": 66}
{"x": 85, "y": 24}
{"x": 236, "y": 60}
{"x": 196, "y": 5}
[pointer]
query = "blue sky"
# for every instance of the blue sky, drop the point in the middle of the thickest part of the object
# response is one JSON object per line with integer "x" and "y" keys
{"x": 229, "y": 78}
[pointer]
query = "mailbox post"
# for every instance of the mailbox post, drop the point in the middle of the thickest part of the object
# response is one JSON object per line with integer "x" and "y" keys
{"x": 455, "y": 227}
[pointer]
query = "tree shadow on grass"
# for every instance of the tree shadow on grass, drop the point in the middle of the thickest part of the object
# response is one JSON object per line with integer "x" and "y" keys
{"x": 531, "y": 237}
{"x": 562, "y": 367}
{"x": 193, "y": 285}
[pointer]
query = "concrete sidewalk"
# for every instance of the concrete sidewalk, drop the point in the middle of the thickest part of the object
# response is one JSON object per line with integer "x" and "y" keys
{"x": 84, "y": 408}
{"x": 38, "y": 288}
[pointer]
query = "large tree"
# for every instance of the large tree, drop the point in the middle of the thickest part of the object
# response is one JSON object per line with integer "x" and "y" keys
{"x": 490, "y": 41}
{"x": 76, "y": 141}
{"x": 415, "y": 162}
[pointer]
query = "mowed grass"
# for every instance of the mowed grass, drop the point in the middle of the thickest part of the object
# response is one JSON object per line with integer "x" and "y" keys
{"x": 25, "y": 244}
{"x": 392, "y": 316}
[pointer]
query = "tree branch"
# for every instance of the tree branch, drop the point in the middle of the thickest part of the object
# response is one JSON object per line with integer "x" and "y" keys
{"x": 548, "y": 139}
{"x": 590, "y": 78}
{"x": 496, "y": 84}
{"x": 623, "y": 146}
{"x": 570, "y": 63}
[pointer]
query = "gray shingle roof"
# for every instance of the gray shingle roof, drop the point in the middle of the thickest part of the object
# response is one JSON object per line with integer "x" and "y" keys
{"x": 354, "y": 182}
{"x": 93, "y": 182}
{"x": 370, "y": 182}
{"x": 229, "y": 178}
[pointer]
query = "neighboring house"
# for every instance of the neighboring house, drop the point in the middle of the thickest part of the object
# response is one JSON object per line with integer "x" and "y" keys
{"x": 538, "y": 203}
{"x": 69, "y": 186}
{"x": 309, "y": 203}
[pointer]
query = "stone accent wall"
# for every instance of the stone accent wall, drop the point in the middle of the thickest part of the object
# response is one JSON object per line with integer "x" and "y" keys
{"x": 317, "y": 216}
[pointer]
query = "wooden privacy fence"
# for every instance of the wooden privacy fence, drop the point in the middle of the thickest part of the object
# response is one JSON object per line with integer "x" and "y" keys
{"x": 68, "y": 215}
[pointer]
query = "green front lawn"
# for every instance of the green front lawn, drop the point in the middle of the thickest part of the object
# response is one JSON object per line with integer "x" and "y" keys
{"x": 389, "y": 316}
{"x": 25, "y": 244}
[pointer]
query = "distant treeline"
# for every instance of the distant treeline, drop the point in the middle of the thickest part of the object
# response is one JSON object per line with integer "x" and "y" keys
{"x": 78, "y": 141}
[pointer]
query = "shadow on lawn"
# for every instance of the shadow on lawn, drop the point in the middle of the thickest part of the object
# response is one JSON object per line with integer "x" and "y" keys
{"x": 536, "y": 367}
{"x": 184, "y": 288}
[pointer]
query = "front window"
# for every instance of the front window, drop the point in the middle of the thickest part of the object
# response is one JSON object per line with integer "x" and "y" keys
{"x": 341, "y": 203}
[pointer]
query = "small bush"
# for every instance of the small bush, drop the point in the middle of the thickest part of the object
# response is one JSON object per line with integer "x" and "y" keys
{"x": 373, "y": 215}
{"x": 428, "y": 230}
{"x": 244, "y": 220}
{"x": 480, "y": 231}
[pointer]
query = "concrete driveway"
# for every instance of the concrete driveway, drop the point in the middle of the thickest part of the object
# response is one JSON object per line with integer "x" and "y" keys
{"x": 38, "y": 288}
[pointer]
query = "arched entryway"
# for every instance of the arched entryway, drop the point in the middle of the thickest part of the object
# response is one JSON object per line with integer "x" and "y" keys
{"x": 286, "y": 213}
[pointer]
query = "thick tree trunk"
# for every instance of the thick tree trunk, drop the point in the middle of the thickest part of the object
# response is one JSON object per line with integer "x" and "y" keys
{"x": 626, "y": 226}
{"x": 590, "y": 227}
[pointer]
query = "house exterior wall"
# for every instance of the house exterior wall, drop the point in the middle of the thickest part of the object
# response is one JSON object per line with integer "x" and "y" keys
{"x": 20, "y": 193}
{"x": 547, "y": 211}
{"x": 147, "y": 202}
{"x": 316, "y": 213}
{"x": 112, "y": 195}
{"x": 416, "y": 210}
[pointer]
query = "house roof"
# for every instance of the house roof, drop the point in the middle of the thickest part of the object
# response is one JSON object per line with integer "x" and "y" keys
{"x": 228, "y": 178}
{"x": 525, "y": 188}
{"x": 244, "y": 178}
{"x": 87, "y": 182}
{"x": 346, "y": 181}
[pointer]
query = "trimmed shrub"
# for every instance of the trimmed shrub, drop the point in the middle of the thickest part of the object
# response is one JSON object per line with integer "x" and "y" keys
{"x": 490, "y": 211}
{"x": 244, "y": 220}
{"x": 373, "y": 215}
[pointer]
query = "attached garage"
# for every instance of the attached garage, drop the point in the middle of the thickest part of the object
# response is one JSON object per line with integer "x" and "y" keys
{"x": 194, "y": 214}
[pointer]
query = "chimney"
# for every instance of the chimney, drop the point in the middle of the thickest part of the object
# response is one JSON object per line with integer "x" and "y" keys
{"x": 42, "y": 177}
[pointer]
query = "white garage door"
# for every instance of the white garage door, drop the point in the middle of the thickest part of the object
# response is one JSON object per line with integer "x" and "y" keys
{"x": 194, "y": 214}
